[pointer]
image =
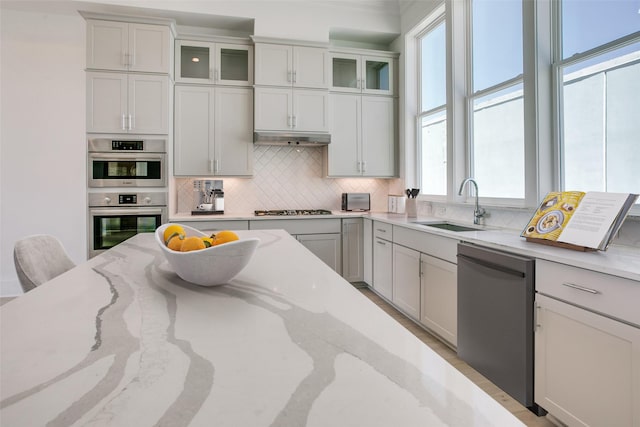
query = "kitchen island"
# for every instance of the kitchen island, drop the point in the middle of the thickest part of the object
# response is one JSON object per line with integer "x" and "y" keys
{"x": 121, "y": 340}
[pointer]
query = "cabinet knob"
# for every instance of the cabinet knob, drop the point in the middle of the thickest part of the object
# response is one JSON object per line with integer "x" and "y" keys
{"x": 107, "y": 200}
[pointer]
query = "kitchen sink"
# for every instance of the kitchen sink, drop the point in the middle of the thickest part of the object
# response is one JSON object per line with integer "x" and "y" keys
{"x": 446, "y": 225}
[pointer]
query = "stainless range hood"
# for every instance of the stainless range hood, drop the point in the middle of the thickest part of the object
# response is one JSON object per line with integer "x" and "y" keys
{"x": 297, "y": 139}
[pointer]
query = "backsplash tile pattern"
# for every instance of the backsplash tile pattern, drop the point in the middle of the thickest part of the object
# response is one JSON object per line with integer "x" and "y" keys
{"x": 287, "y": 178}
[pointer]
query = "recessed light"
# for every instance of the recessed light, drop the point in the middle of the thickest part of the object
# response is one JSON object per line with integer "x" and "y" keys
{"x": 195, "y": 59}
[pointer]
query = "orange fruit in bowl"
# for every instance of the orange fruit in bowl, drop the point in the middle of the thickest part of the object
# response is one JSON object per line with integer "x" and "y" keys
{"x": 224, "y": 236}
{"x": 192, "y": 243}
{"x": 175, "y": 241}
{"x": 171, "y": 230}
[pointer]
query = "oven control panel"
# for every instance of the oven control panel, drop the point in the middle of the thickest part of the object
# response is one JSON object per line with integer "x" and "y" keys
{"x": 127, "y": 199}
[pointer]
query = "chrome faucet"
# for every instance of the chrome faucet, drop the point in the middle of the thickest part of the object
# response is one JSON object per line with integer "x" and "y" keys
{"x": 478, "y": 212}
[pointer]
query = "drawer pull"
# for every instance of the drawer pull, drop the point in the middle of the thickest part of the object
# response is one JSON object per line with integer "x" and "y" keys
{"x": 581, "y": 288}
{"x": 381, "y": 230}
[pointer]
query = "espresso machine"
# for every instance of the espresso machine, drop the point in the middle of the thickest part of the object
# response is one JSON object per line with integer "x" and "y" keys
{"x": 209, "y": 197}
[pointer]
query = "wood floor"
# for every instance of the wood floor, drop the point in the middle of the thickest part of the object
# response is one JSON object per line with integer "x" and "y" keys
{"x": 513, "y": 406}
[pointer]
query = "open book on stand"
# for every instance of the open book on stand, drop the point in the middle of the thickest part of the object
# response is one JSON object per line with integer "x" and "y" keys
{"x": 578, "y": 220}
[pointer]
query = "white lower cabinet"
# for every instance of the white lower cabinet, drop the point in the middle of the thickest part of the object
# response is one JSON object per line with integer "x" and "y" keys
{"x": 587, "y": 346}
{"x": 321, "y": 236}
{"x": 406, "y": 280}
{"x": 352, "y": 249}
{"x": 324, "y": 246}
{"x": 383, "y": 259}
{"x": 367, "y": 256}
{"x": 439, "y": 297}
{"x": 587, "y": 366}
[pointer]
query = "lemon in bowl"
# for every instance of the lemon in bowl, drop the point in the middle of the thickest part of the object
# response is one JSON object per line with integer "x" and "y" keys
{"x": 205, "y": 263}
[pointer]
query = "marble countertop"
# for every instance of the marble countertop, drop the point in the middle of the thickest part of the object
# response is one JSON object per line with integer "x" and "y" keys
{"x": 622, "y": 261}
{"x": 122, "y": 341}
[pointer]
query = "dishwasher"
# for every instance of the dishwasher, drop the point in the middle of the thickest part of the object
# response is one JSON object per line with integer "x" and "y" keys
{"x": 495, "y": 318}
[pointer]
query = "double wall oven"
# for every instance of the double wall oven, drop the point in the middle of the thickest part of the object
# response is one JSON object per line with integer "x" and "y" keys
{"x": 127, "y": 189}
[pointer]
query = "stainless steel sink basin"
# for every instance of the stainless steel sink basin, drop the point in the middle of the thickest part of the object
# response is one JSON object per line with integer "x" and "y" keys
{"x": 446, "y": 225}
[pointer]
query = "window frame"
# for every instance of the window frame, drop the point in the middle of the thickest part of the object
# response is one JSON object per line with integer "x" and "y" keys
{"x": 436, "y": 18}
{"x": 558, "y": 64}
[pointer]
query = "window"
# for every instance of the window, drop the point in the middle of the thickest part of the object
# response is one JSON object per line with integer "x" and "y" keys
{"x": 432, "y": 121}
{"x": 528, "y": 97}
{"x": 496, "y": 99}
{"x": 598, "y": 94}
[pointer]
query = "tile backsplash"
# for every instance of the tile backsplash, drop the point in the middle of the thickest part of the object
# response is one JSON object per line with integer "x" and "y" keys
{"x": 287, "y": 178}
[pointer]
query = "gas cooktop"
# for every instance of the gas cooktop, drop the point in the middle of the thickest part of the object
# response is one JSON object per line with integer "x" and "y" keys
{"x": 292, "y": 212}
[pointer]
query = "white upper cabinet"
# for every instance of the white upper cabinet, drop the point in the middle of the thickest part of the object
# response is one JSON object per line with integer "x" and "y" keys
{"x": 291, "y": 66}
{"x": 214, "y": 63}
{"x": 363, "y": 136}
{"x": 122, "y": 46}
{"x": 127, "y": 103}
{"x": 213, "y": 131}
{"x": 297, "y": 110}
{"x": 362, "y": 73}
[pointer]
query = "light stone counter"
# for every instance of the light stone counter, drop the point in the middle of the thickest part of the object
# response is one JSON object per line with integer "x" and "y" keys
{"x": 122, "y": 341}
{"x": 622, "y": 261}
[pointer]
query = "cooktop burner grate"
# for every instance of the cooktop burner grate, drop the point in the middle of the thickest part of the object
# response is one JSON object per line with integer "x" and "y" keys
{"x": 292, "y": 212}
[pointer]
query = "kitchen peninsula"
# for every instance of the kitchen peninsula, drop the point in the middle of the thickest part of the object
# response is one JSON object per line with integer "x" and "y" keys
{"x": 121, "y": 340}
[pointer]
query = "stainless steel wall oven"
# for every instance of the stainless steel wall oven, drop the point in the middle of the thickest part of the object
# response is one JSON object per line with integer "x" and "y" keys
{"x": 115, "y": 217}
{"x": 127, "y": 163}
{"x": 127, "y": 191}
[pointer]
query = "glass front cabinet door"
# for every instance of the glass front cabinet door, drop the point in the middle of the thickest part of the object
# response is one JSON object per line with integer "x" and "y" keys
{"x": 362, "y": 74}
{"x": 214, "y": 63}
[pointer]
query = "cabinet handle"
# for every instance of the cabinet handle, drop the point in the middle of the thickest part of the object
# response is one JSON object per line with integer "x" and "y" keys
{"x": 211, "y": 169}
{"x": 359, "y": 166}
{"x": 381, "y": 230}
{"x": 289, "y": 76}
{"x": 295, "y": 122}
{"x": 364, "y": 166}
{"x": 215, "y": 166}
{"x": 130, "y": 122}
{"x": 124, "y": 123}
{"x": 581, "y": 288}
{"x": 295, "y": 76}
{"x": 380, "y": 242}
{"x": 125, "y": 59}
{"x": 289, "y": 121}
{"x": 215, "y": 75}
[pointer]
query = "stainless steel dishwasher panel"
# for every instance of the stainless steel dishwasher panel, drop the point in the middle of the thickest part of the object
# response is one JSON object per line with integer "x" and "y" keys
{"x": 495, "y": 318}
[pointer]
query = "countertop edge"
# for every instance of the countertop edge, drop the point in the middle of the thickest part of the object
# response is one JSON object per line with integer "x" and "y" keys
{"x": 618, "y": 260}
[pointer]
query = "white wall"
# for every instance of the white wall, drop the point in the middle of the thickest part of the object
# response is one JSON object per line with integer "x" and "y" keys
{"x": 42, "y": 118}
{"x": 42, "y": 133}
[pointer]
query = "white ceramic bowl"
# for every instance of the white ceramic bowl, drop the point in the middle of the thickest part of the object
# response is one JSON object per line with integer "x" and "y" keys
{"x": 211, "y": 266}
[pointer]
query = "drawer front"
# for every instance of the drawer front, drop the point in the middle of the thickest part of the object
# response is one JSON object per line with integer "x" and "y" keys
{"x": 224, "y": 224}
{"x": 299, "y": 226}
{"x": 431, "y": 244}
{"x": 382, "y": 230}
{"x": 611, "y": 296}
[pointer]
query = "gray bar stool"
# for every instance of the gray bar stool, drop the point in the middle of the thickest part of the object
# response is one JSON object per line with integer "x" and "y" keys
{"x": 38, "y": 259}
